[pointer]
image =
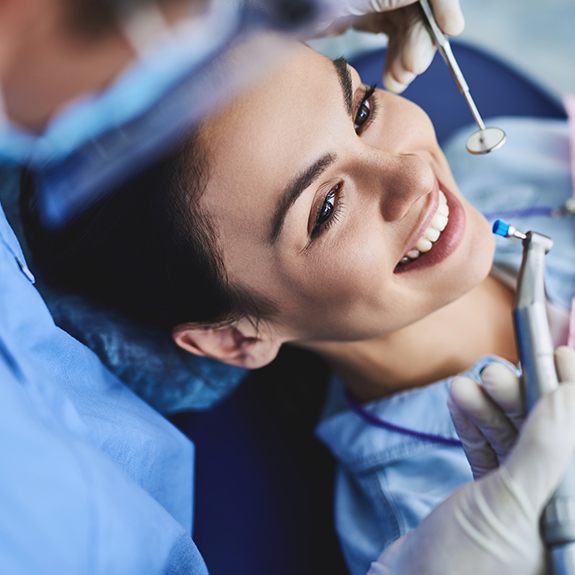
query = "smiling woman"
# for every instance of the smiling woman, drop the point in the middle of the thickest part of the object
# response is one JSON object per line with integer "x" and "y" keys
{"x": 320, "y": 212}
{"x": 335, "y": 188}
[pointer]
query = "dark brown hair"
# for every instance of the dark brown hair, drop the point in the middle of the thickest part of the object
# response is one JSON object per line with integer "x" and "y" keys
{"x": 148, "y": 249}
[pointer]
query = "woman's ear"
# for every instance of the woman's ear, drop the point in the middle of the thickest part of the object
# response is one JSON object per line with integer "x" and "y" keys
{"x": 237, "y": 343}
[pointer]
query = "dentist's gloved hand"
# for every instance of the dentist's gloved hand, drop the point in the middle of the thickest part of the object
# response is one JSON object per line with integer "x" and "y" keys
{"x": 411, "y": 49}
{"x": 492, "y": 525}
{"x": 487, "y": 416}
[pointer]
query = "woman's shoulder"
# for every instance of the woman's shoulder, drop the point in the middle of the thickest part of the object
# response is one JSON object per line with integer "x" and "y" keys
{"x": 388, "y": 429}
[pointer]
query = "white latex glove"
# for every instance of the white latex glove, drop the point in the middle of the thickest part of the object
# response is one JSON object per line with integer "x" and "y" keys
{"x": 411, "y": 49}
{"x": 488, "y": 416}
{"x": 492, "y": 525}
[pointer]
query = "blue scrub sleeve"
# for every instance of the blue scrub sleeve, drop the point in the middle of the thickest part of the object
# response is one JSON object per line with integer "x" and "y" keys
{"x": 92, "y": 480}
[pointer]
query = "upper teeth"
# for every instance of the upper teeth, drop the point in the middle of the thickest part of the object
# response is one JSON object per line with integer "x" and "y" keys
{"x": 432, "y": 233}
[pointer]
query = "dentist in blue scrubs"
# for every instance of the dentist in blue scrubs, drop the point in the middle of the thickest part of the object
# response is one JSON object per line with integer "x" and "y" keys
{"x": 92, "y": 480}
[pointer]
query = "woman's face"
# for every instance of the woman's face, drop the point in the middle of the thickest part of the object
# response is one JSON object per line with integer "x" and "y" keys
{"x": 328, "y": 199}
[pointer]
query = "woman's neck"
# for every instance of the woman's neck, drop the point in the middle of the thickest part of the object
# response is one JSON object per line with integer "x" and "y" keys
{"x": 444, "y": 343}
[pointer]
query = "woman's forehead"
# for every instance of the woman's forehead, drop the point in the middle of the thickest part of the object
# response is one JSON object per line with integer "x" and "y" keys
{"x": 277, "y": 93}
{"x": 272, "y": 131}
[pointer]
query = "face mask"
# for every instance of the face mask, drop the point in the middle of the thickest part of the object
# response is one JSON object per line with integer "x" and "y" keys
{"x": 99, "y": 140}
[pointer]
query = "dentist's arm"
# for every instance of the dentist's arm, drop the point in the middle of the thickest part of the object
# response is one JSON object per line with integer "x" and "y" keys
{"x": 492, "y": 525}
{"x": 410, "y": 49}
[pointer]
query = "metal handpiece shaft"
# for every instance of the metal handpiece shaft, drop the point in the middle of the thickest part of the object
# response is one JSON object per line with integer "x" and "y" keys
{"x": 444, "y": 49}
{"x": 535, "y": 346}
{"x": 531, "y": 325}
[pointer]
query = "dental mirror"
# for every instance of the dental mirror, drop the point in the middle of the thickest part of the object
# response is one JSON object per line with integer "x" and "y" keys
{"x": 485, "y": 140}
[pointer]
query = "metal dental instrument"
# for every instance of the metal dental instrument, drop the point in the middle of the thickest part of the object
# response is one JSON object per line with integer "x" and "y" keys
{"x": 485, "y": 139}
{"x": 535, "y": 346}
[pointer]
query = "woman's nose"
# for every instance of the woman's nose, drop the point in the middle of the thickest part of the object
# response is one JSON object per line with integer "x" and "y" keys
{"x": 402, "y": 179}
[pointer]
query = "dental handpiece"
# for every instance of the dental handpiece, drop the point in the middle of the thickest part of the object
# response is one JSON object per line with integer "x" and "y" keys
{"x": 535, "y": 347}
{"x": 485, "y": 139}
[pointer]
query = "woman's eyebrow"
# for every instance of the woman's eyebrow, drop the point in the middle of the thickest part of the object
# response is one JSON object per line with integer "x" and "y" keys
{"x": 301, "y": 182}
{"x": 294, "y": 190}
{"x": 344, "y": 75}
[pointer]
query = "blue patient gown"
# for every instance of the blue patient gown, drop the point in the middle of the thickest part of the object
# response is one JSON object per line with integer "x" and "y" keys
{"x": 388, "y": 481}
{"x": 92, "y": 480}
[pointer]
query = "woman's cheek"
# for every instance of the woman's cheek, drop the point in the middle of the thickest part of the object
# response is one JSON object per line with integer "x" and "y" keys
{"x": 361, "y": 270}
{"x": 350, "y": 269}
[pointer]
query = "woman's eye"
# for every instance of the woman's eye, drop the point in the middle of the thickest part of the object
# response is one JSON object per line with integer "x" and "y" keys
{"x": 365, "y": 111}
{"x": 328, "y": 211}
{"x": 362, "y": 114}
{"x": 326, "y": 208}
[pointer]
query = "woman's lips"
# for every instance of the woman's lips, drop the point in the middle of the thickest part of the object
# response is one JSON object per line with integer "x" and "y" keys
{"x": 448, "y": 241}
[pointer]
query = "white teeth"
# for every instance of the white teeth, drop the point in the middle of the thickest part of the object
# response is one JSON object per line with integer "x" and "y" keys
{"x": 443, "y": 209}
{"x": 432, "y": 233}
{"x": 423, "y": 245}
{"x": 439, "y": 222}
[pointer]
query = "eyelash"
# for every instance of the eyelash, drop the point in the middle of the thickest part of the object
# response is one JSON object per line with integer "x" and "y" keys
{"x": 368, "y": 104}
{"x": 336, "y": 193}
